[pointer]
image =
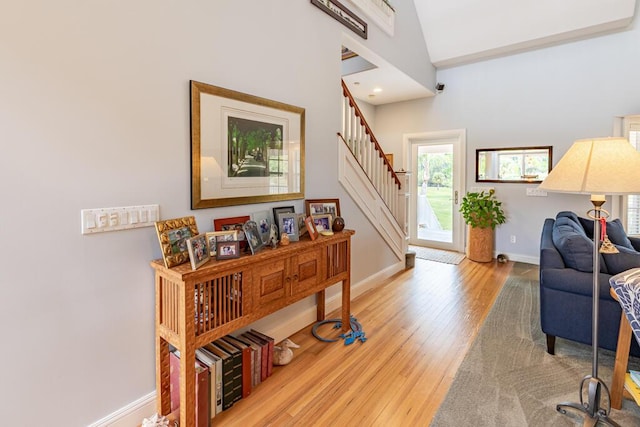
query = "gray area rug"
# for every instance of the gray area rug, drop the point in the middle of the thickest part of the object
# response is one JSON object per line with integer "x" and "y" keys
{"x": 437, "y": 255}
{"x": 508, "y": 379}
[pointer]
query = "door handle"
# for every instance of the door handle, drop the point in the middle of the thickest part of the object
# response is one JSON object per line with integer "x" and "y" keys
{"x": 455, "y": 197}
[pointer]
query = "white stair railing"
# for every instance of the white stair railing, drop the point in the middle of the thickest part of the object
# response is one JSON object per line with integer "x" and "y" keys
{"x": 362, "y": 143}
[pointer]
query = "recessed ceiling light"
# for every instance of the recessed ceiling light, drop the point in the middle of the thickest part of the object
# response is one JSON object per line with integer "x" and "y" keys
{"x": 377, "y": 90}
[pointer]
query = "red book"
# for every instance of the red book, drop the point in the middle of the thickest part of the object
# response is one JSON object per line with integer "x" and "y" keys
{"x": 270, "y": 353}
{"x": 202, "y": 389}
{"x": 256, "y": 352}
{"x": 264, "y": 352}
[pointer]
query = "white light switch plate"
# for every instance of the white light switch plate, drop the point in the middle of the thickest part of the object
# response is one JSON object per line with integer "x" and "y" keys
{"x": 113, "y": 219}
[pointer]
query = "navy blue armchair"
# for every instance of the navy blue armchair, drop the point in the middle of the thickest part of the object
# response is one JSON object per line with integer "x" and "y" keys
{"x": 566, "y": 281}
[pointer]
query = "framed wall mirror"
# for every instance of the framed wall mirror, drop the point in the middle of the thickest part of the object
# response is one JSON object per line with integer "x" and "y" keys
{"x": 513, "y": 164}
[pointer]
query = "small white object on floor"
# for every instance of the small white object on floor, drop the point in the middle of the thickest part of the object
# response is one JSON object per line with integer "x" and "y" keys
{"x": 156, "y": 421}
{"x": 282, "y": 354}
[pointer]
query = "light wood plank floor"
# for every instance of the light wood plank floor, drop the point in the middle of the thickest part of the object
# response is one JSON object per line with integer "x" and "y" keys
{"x": 418, "y": 325}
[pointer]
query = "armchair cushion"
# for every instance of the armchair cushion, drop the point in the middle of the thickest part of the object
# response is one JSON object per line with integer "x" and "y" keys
{"x": 625, "y": 260}
{"x": 573, "y": 244}
{"x": 615, "y": 232}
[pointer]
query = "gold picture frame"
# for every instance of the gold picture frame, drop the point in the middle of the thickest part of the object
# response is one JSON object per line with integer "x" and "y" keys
{"x": 173, "y": 235}
{"x": 244, "y": 149}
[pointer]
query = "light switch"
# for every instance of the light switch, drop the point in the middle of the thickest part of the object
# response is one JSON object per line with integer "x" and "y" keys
{"x": 102, "y": 220}
{"x": 114, "y": 219}
{"x": 89, "y": 220}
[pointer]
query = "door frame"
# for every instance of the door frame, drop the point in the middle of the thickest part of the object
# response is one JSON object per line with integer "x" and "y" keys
{"x": 459, "y": 137}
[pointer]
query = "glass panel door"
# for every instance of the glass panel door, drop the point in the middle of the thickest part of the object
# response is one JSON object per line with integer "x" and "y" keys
{"x": 435, "y": 220}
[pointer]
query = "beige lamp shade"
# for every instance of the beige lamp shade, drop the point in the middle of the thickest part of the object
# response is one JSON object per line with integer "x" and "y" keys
{"x": 596, "y": 166}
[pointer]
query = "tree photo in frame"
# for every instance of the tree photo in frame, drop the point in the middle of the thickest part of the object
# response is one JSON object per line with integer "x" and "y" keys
{"x": 244, "y": 149}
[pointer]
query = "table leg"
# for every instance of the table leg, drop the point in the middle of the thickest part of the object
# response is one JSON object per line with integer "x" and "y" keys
{"x": 622, "y": 359}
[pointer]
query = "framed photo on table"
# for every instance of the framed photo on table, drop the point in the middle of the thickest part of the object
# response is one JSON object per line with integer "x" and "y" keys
{"x": 276, "y": 213}
{"x": 323, "y": 206}
{"x": 252, "y": 233}
{"x": 323, "y": 222}
{"x": 173, "y": 235}
{"x": 311, "y": 227}
{"x": 198, "y": 250}
{"x": 288, "y": 223}
{"x": 244, "y": 149}
{"x": 232, "y": 223}
{"x": 264, "y": 221}
{"x": 213, "y": 237}
{"x": 228, "y": 250}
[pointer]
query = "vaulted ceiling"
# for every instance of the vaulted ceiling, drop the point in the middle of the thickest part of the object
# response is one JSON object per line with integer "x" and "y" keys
{"x": 458, "y": 32}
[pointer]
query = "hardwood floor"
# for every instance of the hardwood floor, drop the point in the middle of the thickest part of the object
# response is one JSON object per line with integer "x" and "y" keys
{"x": 418, "y": 325}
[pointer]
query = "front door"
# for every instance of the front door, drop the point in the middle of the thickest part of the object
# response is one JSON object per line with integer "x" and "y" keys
{"x": 437, "y": 162}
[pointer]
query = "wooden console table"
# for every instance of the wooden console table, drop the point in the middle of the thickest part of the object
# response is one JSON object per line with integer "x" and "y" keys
{"x": 195, "y": 307}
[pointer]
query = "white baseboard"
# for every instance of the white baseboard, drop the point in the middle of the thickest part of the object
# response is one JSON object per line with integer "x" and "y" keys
{"x": 523, "y": 258}
{"x": 133, "y": 414}
{"x": 130, "y": 415}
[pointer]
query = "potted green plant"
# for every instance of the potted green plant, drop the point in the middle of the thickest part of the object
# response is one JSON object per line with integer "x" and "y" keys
{"x": 482, "y": 212}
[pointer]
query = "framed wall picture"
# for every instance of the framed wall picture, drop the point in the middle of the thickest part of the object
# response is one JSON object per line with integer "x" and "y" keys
{"x": 232, "y": 223}
{"x": 252, "y": 233}
{"x": 244, "y": 149}
{"x": 288, "y": 223}
{"x": 323, "y": 222}
{"x": 342, "y": 14}
{"x": 228, "y": 250}
{"x": 213, "y": 237}
{"x": 311, "y": 227}
{"x": 264, "y": 221}
{"x": 173, "y": 235}
{"x": 323, "y": 206}
{"x": 198, "y": 249}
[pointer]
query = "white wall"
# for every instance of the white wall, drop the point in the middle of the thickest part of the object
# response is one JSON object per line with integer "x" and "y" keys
{"x": 94, "y": 112}
{"x": 551, "y": 96}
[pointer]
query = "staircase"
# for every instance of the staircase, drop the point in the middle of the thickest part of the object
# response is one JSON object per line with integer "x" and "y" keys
{"x": 368, "y": 177}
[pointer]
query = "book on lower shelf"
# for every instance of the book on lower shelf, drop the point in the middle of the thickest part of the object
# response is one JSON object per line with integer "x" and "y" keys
{"x": 632, "y": 388}
{"x": 264, "y": 352}
{"x": 247, "y": 362}
{"x": 270, "y": 352}
{"x": 203, "y": 414}
{"x": 237, "y": 366}
{"x": 214, "y": 364}
{"x": 227, "y": 374}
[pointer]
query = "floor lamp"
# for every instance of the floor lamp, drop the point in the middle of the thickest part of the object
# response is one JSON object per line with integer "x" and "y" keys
{"x": 596, "y": 167}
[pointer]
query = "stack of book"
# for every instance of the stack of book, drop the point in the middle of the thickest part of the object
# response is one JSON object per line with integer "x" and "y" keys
{"x": 632, "y": 385}
{"x": 227, "y": 370}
